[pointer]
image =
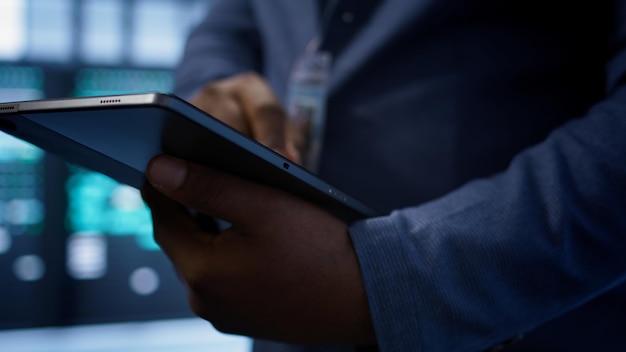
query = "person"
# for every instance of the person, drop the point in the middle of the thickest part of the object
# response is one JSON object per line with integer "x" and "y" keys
{"x": 491, "y": 136}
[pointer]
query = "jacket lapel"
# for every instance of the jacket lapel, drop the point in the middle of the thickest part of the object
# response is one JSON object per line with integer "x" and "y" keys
{"x": 389, "y": 19}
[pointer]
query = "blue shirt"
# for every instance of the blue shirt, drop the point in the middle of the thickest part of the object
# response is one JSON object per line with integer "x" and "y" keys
{"x": 491, "y": 132}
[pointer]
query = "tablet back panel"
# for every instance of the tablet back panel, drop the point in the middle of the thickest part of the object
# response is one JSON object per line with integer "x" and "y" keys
{"x": 118, "y": 135}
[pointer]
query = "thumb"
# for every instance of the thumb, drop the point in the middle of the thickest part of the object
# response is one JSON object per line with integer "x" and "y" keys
{"x": 211, "y": 192}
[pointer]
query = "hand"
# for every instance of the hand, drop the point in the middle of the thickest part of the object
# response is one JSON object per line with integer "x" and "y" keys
{"x": 286, "y": 270}
{"x": 248, "y": 104}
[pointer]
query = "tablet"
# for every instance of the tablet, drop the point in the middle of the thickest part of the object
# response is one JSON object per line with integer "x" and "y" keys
{"x": 118, "y": 135}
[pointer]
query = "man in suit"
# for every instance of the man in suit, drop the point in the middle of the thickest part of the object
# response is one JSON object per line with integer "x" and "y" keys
{"x": 489, "y": 133}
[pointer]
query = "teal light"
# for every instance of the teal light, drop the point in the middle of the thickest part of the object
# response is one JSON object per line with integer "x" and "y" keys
{"x": 18, "y": 77}
{"x": 98, "y": 204}
{"x": 95, "y": 82}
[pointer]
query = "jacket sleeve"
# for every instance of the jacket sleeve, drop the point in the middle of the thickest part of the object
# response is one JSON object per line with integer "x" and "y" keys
{"x": 225, "y": 43}
{"x": 502, "y": 255}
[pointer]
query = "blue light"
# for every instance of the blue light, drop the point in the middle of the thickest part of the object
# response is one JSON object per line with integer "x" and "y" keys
{"x": 98, "y": 204}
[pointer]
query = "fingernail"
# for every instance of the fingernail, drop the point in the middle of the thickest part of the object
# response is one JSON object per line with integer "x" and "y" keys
{"x": 167, "y": 172}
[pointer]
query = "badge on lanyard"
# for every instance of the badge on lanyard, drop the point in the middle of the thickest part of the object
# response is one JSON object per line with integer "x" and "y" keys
{"x": 306, "y": 103}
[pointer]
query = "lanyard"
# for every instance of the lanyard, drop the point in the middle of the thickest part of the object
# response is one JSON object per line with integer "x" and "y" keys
{"x": 306, "y": 96}
{"x": 328, "y": 12}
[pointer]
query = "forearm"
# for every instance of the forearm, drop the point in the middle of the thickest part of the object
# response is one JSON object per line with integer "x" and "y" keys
{"x": 502, "y": 255}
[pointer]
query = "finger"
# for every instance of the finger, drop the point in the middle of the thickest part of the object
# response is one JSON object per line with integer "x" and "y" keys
{"x": 217, "y": 101}
{"x": 215, "y": 193}
{"x": 263, "y": 111}
{"x": 246, "y": 103}
{"x": 175, "y": 230}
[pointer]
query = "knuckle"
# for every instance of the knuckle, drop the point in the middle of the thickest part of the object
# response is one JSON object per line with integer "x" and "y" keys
{"x": 270, "y": 112}
{"x": 211, "y": 90}
{"x": 231, "y": 115}
{"x": 218, "y": 100}
{"x": 197, "y": 308}
{"x": 226, "y": 327}
{"x": 197, "y": 305}
{"x": 157, "y": 235}
{"x": 196, "y": 284}
{"x": 214, "y": 89}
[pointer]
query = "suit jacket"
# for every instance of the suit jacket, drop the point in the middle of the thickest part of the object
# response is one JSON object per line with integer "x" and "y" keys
{"x": 492, "y": 133}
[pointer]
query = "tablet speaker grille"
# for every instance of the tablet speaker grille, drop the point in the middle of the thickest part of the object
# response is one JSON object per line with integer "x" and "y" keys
{"x": 8, "y": 108}
{"x": 110, "y": 101}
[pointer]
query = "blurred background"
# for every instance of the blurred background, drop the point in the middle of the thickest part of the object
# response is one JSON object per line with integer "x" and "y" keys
{"x": 79, "y": 270}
